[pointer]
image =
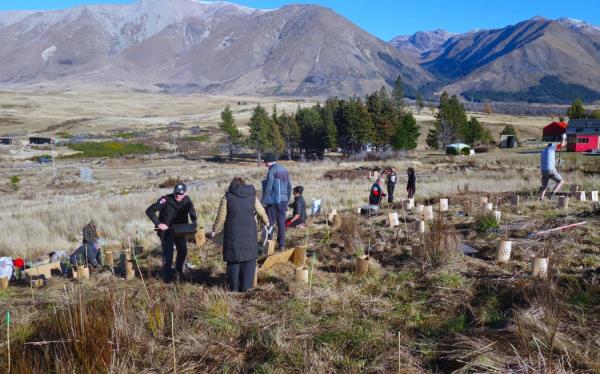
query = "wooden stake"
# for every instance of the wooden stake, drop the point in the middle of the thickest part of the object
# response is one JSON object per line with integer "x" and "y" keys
{"x": 139, "y": 270}
{"x": 8, "y": 338}
{"x": 310, "y": 278}
{"x": 399, "y": 355}
{"x": 173, "y": 340}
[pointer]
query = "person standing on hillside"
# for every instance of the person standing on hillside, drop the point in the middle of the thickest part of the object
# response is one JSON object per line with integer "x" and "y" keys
{"x": 411, "y": 184}
{"x": 391, "y": 179}
{"x": 172, "y": 209}
{"x": 548, "y": 170}
{"x": 240, "y": 239}
{"x": 277, "y": 192}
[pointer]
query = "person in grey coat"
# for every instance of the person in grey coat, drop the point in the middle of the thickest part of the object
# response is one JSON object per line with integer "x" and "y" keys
{"x": 277, "y": 192}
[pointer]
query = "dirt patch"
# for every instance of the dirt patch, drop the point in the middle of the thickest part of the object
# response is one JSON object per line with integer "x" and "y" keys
{"x": 358, "y": 173}
{"x": 68, "y": 124}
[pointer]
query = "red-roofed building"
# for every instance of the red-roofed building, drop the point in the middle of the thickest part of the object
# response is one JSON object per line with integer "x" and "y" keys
{"x": 554, "y": 131}
{"x": 583, "y": 135}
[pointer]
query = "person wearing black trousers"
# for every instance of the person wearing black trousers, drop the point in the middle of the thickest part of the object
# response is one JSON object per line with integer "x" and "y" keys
{"x": 240, "y": 238}
{"x": 391, "y": 184}
{"x": 411, "y": 185}
{"x": 172, "y": 209}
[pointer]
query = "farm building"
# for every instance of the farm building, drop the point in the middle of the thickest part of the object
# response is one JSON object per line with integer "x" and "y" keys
{"x": 553, "y": 132}
{"x": 583, "y": 135}
{"x": 40, "y": 140}
{"x": 7, "y": 141}
{"x": 508, "y": 141}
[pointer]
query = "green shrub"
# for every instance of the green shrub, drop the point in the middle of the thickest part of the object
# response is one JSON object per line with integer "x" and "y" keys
{"x": 15, "y": 181}
{"x": 466, "y": 151}
{"x": 110, "y": 149}
{"x": 486, "y": 222}
{"x": 196, "y": 138}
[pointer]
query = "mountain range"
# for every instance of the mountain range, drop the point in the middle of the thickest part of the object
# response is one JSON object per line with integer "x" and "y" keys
{"x": 296, "y": 50}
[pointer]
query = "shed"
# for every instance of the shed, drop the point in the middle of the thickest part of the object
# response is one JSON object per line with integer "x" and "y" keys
{"x": 508, "y": 141}
{"x": 554, "y": 131}
{"x": 7, "y": 141}
{"x": 40, "y": 140}
{"x": 583, "y": 135}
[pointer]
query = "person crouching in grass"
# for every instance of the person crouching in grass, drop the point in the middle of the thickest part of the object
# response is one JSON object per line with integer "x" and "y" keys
{"x": 240, "y": 238}
{"x": 298, "y": 219}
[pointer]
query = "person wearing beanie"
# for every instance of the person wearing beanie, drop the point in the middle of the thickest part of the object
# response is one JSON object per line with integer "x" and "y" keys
{"x": 172, "y": 209}
{"x": 277, "y": 192}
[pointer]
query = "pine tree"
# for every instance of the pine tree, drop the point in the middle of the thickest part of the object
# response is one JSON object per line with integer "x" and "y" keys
{"x": 407, "y": 133}
{"x": 330, "y": 129}
{"x": 398, "y": 94}
{"x": 290, "y": 133}
{"x": 450, "y": 123}
{"x": 576, "y": 111}
{"x": 232, "y": 133}
{"x": 260, "y": 131}
{"x": 476, "y": 132}
{"x": 420, "y": 103}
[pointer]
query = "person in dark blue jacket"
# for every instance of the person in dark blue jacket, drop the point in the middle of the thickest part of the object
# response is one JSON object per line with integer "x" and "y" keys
{"x": 277, "y": 192}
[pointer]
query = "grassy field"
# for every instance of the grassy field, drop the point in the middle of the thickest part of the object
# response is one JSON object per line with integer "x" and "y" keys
{"x": 422, "y": 307}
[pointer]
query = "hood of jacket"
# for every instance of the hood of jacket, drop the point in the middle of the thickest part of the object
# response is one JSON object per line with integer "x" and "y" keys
{"x": 242, "y": 190}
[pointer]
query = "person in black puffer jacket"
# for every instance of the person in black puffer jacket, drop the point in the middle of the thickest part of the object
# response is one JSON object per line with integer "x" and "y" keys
{"x": 240, "y": 238}
{"x": 172, "y": 209}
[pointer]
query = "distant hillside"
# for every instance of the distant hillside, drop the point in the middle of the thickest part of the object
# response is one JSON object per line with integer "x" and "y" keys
{"x": 538, "y": 60}
{"x": 184, "y": 45}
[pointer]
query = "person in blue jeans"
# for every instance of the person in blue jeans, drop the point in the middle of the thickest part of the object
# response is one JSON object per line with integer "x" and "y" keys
{"x": 277, "y": 192}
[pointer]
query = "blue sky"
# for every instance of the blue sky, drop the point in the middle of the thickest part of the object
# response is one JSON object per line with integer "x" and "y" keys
{"x": 388, "y": 18}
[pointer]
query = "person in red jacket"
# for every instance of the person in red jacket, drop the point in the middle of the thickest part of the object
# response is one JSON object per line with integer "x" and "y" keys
{"x": 376, "y": 193}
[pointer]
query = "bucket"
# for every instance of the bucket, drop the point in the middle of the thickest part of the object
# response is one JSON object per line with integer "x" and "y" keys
{"x": 362, "y": 265}
{"x": 483, "y": 200}
{"x": 594, "y": 196}
{"x": 443, "y": 205}
{"x": 540, "y": 267}
{"x": 299, "y": 257}
{"x": 271, "y": 247}
{"x": 129, "y": 273}
{"x": 563, "y": 202}
{"x": 497, "y": 215}
{"x": 428, "y": 213}
{"x": 393, "y": 219}
{"x": 359, "y": 211}
{"x": 488, "y": 207}
{"x": 420, "y": 226}
{"x": 419, "y": 208}
{"x": 503, "y": 250}
{"x": 4, "y": 283}
{"x": 581, "y": 196}
{"x": 410, "y": 204}
{"x": 302, "y": 275}
{"x": 514, "y": 200}
{"x": 83, "y": 272}
{"x": 200, "y": 236}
